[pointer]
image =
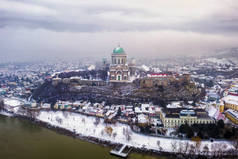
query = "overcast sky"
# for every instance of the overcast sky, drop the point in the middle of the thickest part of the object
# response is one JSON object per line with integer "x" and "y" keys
{"x": 41, "y": 29}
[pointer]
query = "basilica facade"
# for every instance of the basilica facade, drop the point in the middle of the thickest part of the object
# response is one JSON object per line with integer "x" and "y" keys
{"x": 119, "y": 69}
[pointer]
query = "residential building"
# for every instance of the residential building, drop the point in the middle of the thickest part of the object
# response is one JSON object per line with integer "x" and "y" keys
{"x": 174, "y": 117}
{"x": 232, "y": 115}
{"x": 231, "y": 102}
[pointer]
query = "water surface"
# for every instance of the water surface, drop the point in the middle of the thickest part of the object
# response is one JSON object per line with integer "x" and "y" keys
{"x": 21, "y": 139}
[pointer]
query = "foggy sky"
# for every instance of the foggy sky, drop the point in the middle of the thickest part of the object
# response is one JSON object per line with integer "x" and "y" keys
{"x": 41, "y": 29}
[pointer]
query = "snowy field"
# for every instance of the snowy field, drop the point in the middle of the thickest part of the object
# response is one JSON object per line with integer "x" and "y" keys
{"x": 85, "y": 125}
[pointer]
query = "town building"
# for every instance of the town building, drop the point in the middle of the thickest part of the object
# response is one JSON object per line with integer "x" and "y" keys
{"x": 221, "y": 107}
{"x": 119, "y": 69}
{"x": 174, "y": 117}
{"x": 230, "y": 102}
{"x": 232, "y": 115}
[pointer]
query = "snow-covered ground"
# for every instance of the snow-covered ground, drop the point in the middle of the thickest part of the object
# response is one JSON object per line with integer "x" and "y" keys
{"x": 84, "y": 125}
{"x": 212, "y": 111}
{"x": 12, "y": 102}
{"x": 5, "y": 113}
{"x": 215, "y": 113}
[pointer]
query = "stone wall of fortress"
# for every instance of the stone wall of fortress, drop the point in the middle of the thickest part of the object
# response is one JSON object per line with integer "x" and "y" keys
{"x": 148, "y": 82}
{"x": 56, "y": 81}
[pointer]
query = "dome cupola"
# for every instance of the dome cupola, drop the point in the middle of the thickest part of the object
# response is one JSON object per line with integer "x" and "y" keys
{"x": 118, "y": 50}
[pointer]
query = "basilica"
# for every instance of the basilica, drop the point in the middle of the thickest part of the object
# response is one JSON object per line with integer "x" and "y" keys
{"x": 119, "y": 69}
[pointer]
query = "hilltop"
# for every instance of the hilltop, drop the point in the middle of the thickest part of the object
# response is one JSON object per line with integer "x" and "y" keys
{"x": 72, "y": 89}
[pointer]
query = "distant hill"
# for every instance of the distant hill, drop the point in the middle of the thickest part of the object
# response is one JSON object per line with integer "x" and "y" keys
{"x": 230, "y": 54}
{"x": 227, "y": 56}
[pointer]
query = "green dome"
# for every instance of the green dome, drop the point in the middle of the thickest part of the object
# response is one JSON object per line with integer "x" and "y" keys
{"x": 118, "y": 50}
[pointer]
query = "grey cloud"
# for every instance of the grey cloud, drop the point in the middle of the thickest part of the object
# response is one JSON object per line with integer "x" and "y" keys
{"x": 50, "y": 24}
{"x": 62, "y": 29}
{"x": 86, "y": 18}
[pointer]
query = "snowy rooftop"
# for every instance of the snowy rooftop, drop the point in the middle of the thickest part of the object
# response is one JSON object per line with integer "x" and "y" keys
{"x": 142, "y": 118}
{"x": 231, "y": 99}
{"x": 233, "y": 113}
{"x": 174, "y": 105}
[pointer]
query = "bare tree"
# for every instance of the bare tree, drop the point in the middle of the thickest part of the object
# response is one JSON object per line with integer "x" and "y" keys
{"x": 186, "y": 147}
{"x": 21, "y": 111}
{"x": 180, "y": 147}
{"x": 205, "y": 150}
{"x": 215, "y": 149}
{"x": 235, "y": 143}
{"x": 114, "y": 135}
{"x": 59, "y": 120}
{"x": 197, "y": 141}
{"x": 32, "y": 113}
{"x": 160, "y": 148}
{"x": 35, "y": 113}
{"x": 221, "y": 149}
{"x": 192, "y": 150}
{"x": 225, "y": 149}
{"x": 65, "y": 114}
{"x": 234, "y": 149}
{"x": 1, "y": 104}
{"x": 127, "y": 133}
{"x": 109, "y": 130}
{"x": 158, "y": 143}
{"x": 102, "y": 132}
{"x": 174, "y": 146}
{"x": 97, "y": 121}
{"x": 83, "y": 120}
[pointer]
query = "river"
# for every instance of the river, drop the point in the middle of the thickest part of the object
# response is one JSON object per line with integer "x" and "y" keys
{"x": 21, "y": 139}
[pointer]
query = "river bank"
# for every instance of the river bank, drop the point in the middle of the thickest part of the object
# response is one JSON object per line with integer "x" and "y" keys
{"x": 22, "y": 139}
{"x": 83, "y": 127}
{"x": 83, "y": 138}
{"x": 106, "y": 144}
